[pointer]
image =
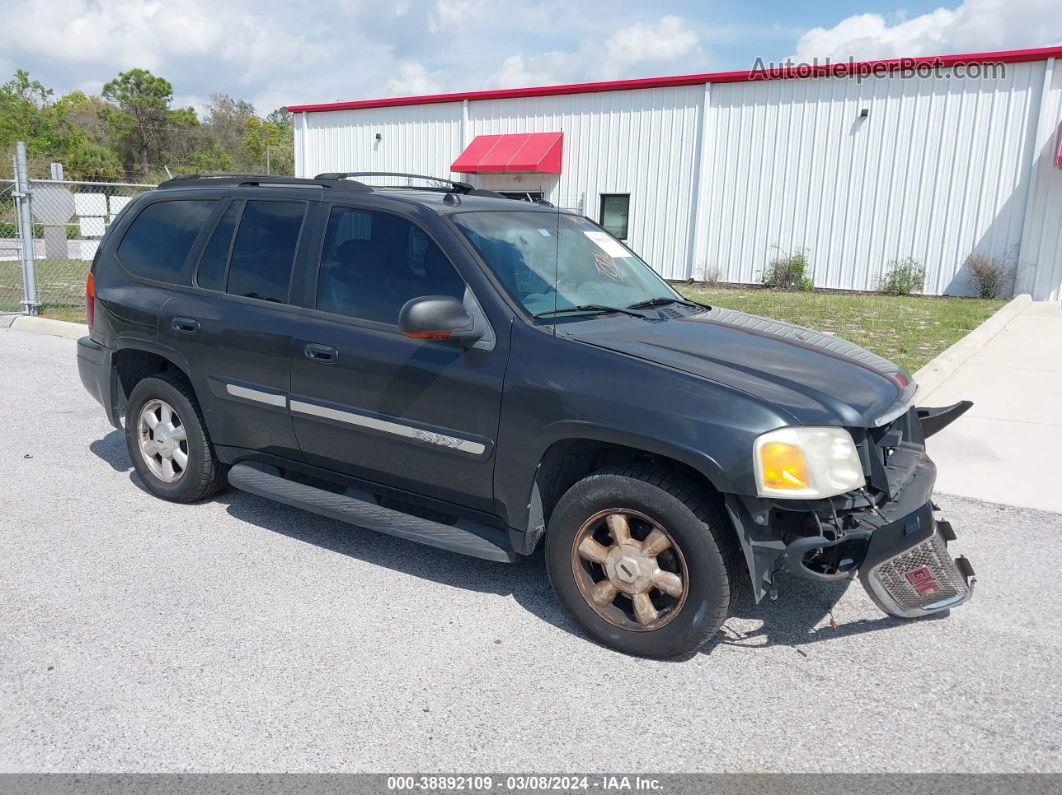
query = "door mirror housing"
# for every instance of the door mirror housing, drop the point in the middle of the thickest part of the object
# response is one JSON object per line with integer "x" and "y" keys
{"x": 438, "y": 317}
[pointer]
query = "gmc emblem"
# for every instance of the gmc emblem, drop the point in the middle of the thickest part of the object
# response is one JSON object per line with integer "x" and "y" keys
{"x": 922, "y": 580}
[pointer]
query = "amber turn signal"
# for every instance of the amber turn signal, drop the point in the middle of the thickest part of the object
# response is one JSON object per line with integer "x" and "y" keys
{"x": 784, "y": 466}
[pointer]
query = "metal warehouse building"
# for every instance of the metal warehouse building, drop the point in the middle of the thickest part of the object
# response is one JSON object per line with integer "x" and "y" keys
{"x": 711, "y": 175}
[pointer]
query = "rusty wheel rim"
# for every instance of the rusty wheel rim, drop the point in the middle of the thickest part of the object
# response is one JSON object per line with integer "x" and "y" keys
{"x": 630, "y": 570}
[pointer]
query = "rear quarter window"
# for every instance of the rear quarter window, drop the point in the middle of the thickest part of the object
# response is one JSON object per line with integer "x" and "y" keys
{"x": 158, "y": 241}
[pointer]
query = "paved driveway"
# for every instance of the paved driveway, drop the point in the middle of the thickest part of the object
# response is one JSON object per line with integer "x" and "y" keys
{"x": 239, "y": 635}
{"x": 1005, "y": 449}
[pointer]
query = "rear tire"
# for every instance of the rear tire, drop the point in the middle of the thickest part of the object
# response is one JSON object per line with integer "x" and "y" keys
{"x": 168, "y": 441}
{"x": 644, "y": 561}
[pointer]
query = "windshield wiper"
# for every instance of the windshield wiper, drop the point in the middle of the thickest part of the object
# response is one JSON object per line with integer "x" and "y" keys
{"x": 649, "y": 304}
{"x": 599, "y": 308}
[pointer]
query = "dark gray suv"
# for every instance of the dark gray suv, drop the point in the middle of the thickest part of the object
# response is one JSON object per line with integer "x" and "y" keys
{"x": 480, "y": 374}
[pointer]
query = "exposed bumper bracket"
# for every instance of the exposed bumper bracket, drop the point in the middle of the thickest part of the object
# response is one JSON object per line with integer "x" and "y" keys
{"x": 935, "y": 420}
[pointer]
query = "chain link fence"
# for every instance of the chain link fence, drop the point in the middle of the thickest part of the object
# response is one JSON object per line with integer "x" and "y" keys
{"x": 10, "y": 251}
{"x": 68, "y": 220}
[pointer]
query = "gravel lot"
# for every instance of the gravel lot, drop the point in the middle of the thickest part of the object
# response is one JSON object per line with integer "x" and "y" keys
{"x": 240, "y": 635}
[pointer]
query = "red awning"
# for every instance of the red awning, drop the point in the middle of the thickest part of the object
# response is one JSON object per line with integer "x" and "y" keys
{"x": 536, "y": 153}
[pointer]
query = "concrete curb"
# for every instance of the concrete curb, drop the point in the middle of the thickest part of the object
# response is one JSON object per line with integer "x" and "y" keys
{"x": 46, "y": 325}
{"x": 941, "y": 368}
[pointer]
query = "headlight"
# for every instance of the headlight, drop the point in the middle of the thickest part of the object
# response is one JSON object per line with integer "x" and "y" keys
{"x": 806, "y": 463}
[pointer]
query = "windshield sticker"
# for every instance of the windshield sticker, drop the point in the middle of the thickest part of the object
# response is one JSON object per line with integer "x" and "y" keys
{"x": 607, "y": 244}
{"x": 607, "y": 266}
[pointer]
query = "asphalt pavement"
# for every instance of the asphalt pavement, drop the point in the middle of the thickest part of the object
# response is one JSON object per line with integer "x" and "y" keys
{"x": 241, "y": 635}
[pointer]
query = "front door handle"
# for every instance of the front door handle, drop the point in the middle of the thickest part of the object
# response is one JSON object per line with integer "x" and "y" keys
{"x": 324, "y": 354}
{"x": 185, "y": 325}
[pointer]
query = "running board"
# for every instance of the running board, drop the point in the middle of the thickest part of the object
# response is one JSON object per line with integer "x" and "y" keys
{"x": 466, "y": 538}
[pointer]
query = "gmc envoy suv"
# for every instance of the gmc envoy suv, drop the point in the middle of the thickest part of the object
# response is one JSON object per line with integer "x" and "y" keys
{"x": 483, "y": 375}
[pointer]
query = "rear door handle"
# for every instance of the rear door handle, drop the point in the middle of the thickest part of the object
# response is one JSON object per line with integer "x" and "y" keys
{"x": 325, "y": 354}
{"x": 185, "y": 325}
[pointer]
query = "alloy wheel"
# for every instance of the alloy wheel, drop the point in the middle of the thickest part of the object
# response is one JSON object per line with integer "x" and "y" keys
{"x": 629, "y": 569}
{"x": 163, "y": 441}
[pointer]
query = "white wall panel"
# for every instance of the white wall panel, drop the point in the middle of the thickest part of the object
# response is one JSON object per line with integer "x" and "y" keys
{"x": 420, "y": 139}
{"x": 1041, "y": 252}
{"x": 938, "y": 170}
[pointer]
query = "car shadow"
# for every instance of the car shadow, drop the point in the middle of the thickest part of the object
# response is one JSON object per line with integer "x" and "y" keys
{"x": 803, "y": 615}
{"x": 112, "y": 450}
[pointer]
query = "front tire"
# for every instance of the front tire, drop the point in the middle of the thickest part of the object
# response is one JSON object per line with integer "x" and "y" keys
{"x": 644, "y": 561}
{"x": 168, "y": 441}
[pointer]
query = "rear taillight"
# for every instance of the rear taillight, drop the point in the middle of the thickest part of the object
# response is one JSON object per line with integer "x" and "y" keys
{"x": 90, "y": 298}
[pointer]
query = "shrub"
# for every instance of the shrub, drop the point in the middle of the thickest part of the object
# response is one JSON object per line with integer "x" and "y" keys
{"x": 789, "y": 272}
{"x": 712, "y": 277}
{"x": 9, "y": 229}
{"x": 989, "y": 275}
{"x": 903, "y": 277}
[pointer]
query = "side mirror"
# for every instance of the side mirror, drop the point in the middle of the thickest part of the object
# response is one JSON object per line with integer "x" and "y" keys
{"x": 437, "y": 317}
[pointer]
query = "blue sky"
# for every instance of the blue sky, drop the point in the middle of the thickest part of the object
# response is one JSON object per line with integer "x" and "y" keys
{"x": 278, "y": 52}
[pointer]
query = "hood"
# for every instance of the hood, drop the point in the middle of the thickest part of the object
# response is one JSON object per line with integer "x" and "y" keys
{"x": 817, "y": 378}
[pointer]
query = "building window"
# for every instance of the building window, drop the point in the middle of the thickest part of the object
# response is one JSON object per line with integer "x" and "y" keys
{"x": 615, "y": 209}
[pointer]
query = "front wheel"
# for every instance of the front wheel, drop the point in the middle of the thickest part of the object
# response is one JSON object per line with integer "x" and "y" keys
{"x": 642, "y": 560}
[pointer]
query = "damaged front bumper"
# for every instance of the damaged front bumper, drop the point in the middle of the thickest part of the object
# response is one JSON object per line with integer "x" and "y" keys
{"x": 897, "y": 541}
{"x": 910, "y": 578}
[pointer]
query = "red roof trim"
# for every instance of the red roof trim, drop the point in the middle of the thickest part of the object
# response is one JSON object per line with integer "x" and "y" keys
{"x": 836, "y": 69}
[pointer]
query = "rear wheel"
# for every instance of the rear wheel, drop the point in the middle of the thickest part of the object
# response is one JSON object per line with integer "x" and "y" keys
{"x": 642, "y": 560}
{"x": 168, "y": 441}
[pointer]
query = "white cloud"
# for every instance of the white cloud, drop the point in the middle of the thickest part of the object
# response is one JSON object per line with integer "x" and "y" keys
{"x": 450, "y": 14}
{"x": 413, "y": 78}
{"x": 639, "y": 49}
{"x": 520, "y": 71}
{"x": 671, "y": 38}
{"x": 973, "y": 26}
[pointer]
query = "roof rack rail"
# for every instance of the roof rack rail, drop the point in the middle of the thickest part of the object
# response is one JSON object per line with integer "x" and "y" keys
{"x": 237, "y": 178}
{"x": 455, "y": 186}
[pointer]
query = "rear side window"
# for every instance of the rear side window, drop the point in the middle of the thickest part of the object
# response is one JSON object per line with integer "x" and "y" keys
{"x": 158, "y": 241}
{"x": 211, "y": 272}
{"x": 264, "y": 250}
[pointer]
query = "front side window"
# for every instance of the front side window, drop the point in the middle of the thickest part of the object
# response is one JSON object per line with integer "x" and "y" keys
{"x": 372, "y": 263}
{"x": 264, "y": 250}
{"x": 550, "y": 261}
{"x": 158, "y": 241}
{"x": 615, "y": 210}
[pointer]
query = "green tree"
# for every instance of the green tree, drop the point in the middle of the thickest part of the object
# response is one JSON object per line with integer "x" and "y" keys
{"x": 227, "y": 120}
{"x": 26, "y": 114}
{"x": 269, "y": 143}
{"x": 85, "y": 159}
{"x": 140, "y": 116}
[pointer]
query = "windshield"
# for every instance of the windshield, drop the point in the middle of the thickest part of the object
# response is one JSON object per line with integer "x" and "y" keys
{"x": 556, "y": 261}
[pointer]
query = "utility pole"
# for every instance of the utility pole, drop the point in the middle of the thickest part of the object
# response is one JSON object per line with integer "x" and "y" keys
{"x": 30, "y": 303}
{"x": 267, "y": 160}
